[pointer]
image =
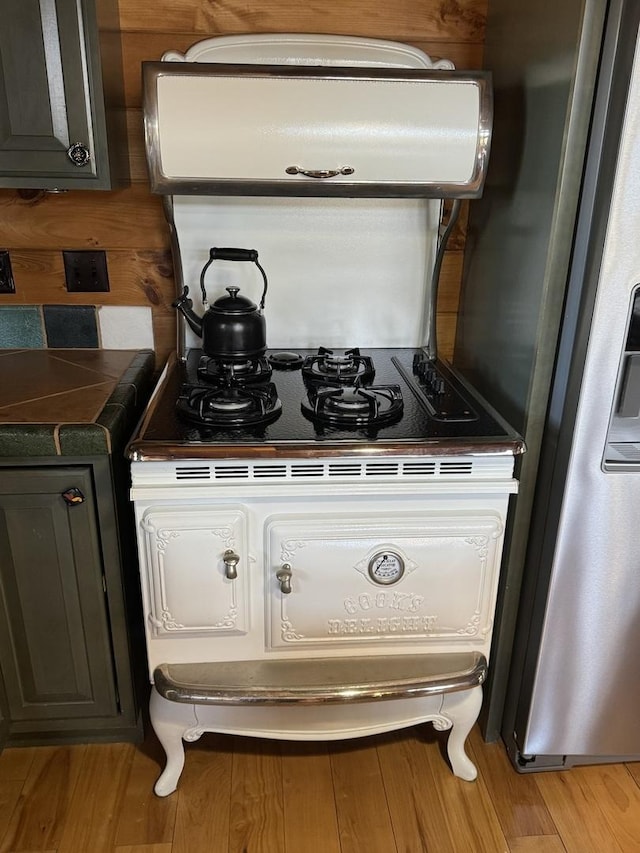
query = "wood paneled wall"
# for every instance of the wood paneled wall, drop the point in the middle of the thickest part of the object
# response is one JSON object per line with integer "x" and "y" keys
{"x": 128, "y": 223}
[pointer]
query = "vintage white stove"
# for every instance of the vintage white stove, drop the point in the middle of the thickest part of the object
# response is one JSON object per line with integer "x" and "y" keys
{"x": 320, "y": 527}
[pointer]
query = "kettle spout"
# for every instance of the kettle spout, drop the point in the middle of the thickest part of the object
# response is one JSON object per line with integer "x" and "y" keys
{"x": 185, "y": 307}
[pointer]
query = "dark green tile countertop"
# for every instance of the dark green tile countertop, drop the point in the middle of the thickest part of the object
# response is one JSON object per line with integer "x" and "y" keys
{"x": 71, "y": 402}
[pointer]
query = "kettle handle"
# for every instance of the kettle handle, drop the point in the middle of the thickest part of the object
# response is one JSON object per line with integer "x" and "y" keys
{"x": 233, "y": 254}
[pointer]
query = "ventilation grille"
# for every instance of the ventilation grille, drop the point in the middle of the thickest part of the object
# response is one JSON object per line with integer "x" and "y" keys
{"x": 260, "y": 471}
{"x": 195, "y": 472}
{"x": 456, "y": 467}
{"x": 230, "y": 472}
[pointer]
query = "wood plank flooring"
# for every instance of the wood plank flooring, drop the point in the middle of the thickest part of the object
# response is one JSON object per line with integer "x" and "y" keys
{"x": 388, "y": 794}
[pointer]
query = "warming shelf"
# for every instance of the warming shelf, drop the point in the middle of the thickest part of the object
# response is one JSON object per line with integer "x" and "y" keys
{"x": 233, "y": 129}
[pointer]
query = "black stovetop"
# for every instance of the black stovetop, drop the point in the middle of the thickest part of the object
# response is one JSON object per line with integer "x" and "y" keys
{"x": 458, "y": 415}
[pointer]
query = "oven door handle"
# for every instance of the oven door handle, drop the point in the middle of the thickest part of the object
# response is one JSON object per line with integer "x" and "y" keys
{"x": 284, "y": 578}
{"x": 231, "y": 560}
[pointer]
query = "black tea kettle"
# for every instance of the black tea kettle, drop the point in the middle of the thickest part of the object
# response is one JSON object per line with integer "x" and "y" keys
{"x": 233, "y": 328}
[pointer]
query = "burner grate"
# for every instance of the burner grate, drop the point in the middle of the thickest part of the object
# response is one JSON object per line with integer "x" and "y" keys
{"x": 229, "y": 405}
{"x": 214, "y": 371}
{"x": 354, "y": 405}
{"x": 343, "y": 367}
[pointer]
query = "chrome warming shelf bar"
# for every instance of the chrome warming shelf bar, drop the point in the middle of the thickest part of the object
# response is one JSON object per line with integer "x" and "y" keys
{"x": 323, "y": 680}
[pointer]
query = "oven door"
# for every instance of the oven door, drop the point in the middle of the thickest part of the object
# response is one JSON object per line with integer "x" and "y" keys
{"x": 196, "y": 578}
{"x": 390, "y": 578}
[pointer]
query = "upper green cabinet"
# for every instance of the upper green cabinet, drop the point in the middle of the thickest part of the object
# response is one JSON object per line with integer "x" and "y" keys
{"x": 53, "y": 121}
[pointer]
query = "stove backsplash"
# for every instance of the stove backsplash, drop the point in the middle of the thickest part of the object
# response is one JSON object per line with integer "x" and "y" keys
{"x": 342, "y": 272}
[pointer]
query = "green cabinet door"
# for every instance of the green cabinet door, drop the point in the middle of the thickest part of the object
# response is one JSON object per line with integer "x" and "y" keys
{"x": 52, "y": 117}
{"x": 55, "y": 651}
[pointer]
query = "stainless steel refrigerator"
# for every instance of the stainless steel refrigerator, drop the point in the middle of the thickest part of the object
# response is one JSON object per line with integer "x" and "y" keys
{"x": 549, "y": 331}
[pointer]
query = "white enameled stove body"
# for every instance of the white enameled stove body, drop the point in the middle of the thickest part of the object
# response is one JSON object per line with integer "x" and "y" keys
{"x": 383, "y": 560}
{"x": 382, "y": 557}
{"x": 443, "y": 516}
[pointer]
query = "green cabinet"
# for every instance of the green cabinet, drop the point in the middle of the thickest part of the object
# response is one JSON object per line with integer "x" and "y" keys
{"x": 53, "y": 121}
{"x": 67, "y": 656}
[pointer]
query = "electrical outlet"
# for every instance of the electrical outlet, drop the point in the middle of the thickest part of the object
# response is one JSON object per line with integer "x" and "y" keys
{"x": 7, "y": 284}
{"x": 85, "y": 271}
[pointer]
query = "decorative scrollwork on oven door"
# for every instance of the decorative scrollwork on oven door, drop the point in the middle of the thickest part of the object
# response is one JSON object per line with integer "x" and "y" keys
{"x": 289, "y": 547}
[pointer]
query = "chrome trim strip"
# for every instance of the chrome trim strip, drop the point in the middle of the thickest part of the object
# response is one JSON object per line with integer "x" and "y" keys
{"x": 163, "y": 451}
{"x": 167, "y": 207}
{"x": 367, "y": 189}
{"x": 319, "y": 681}
{"x": 431, "y": 347}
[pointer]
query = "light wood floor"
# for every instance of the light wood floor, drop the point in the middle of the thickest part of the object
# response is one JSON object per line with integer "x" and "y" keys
{"x": 377, "y": 795}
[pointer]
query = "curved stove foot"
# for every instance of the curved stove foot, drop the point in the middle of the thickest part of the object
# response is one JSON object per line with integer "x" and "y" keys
{"x": 462, "y": 709}
{"x": 170, "y": 729}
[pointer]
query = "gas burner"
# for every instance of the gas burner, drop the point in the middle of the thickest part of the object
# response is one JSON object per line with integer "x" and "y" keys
{"x": 230, "y": 405}
{"x": 217, "y": 372}
{"x": 285, "y": 360}
{"x": 345, "y": 367}
{"x": 354, "y": 405}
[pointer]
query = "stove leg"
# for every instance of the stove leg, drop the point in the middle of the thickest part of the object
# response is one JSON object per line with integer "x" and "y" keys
{"x": 168, "y": 721}
{"x": 462, "y": 709}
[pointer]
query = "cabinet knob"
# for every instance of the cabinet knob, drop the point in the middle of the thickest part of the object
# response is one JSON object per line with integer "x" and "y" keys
{"x": 73, "y": 496}
{"x": 231, "y": 560}
{"x": 79, "y": 154}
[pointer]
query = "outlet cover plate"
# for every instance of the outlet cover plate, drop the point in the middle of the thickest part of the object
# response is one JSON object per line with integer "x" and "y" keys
{"x": 85, "y": 271}
{"x": 7, "y": 284}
